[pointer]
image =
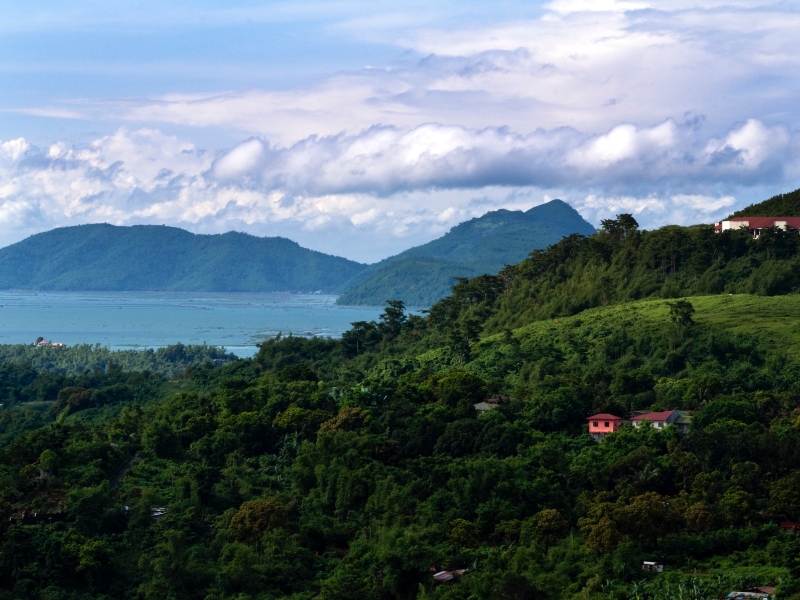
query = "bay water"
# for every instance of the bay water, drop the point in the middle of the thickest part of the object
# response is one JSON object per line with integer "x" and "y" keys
{"x": 139, "y": 320}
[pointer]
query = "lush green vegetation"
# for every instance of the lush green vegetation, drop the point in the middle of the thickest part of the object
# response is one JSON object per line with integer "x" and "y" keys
{"x": 782, "y": 205}
{"x": 418, "y": 280}
{"x": 620, "y": 264}
{"x": 75, "y": 360}
{"x": 40, "y": 384}
{"x": 422, "y": 275}
{"x": 351, "y": 468}
{"x": 158, "y": 258}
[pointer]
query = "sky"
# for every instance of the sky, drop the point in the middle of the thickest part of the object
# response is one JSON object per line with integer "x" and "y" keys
{"x": 363, "y": 128}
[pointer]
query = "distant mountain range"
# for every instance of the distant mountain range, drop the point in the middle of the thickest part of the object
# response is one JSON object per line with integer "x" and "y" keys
{"x": 422, "y": 275}
{"x": 159, "y": 258}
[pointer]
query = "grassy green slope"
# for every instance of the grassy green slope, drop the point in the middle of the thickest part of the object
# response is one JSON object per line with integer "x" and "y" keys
{"x": 105, "y": 257}
{"x": 774, "y": 322}
{"x": 773, "y": 319}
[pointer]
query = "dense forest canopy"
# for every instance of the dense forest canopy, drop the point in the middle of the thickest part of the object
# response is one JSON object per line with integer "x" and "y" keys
{"x": 782, "y": 205}
{"x": 40, "y": 384}
{"x": 359, "y": 468}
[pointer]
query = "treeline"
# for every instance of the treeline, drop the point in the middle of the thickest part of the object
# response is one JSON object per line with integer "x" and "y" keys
{"x": 74, "y": 360}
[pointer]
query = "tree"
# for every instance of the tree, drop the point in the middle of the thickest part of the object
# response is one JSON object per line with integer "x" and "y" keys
{"x": 680, "y": 313}
{"x": 785, "y": 497}
{"x": 698, "y": 517}
{"x": 602, "y": 537}
{"x": 619, "y": 228}
{"x": 393, "y": 317}
{"x": 546, "y": 526}
{"x": 359, "y": 338}
{"x": 255, "y": 517}
{"x": 48, "y": 461}
{"x": 457, "y": 386}
{"x": 463, "y": 534}
{"x": 736, "y": 505}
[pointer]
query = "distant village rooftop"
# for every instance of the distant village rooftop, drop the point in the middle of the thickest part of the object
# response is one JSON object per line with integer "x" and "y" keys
{"x": 602, "y": 424}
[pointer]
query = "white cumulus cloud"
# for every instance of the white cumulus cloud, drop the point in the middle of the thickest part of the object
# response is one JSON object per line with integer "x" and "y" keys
{"x": 372, "y": 193}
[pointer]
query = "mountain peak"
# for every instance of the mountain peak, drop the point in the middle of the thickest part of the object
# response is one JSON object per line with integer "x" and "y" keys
{"x": 423, "y": 274}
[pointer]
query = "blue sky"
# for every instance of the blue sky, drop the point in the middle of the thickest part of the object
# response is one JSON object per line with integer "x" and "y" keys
{"x": 362, "y": 128}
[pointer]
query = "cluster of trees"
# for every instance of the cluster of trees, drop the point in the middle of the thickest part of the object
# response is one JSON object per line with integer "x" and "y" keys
{"x": 354, "y": 468}
{"x": 168, "y": 361}
{"x": 37, "y": 385}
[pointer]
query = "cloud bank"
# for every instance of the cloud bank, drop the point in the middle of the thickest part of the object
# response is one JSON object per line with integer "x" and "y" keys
{"x": 385, "y": 180}
{"x": 676, "y": 111}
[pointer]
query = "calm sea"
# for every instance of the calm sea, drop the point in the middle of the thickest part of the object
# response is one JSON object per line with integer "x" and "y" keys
{"x": 126, "y": 320}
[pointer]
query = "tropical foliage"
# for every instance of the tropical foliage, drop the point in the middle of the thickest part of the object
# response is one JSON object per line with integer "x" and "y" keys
{"x": 356, "y": 468}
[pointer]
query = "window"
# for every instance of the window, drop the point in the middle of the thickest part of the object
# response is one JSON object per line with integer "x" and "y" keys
{"x": 595, "y": 423}
{"x": 606, "y": 424}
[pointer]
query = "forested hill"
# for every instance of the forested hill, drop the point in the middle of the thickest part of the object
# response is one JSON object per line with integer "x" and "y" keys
{"x": 782, "y": 205}
{"x": 362, "y": 468}
{"x": 423, "y": 274}
{"x": 150, "y": 257}
{"x": 620, "y": 264}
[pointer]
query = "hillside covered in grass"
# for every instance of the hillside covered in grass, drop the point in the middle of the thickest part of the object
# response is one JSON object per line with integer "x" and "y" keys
{"x": 358, "y": 468}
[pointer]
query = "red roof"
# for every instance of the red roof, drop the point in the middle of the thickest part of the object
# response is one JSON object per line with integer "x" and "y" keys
{"x": 654, "y": 416}
{"x": 604, "y": 417}
{"x": 762, "y": 222}
{"x": 765, "y": 589}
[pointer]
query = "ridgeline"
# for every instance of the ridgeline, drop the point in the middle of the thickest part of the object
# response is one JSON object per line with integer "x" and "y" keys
{"x": 422, "y": 275}
{"x": 158, "y": 258}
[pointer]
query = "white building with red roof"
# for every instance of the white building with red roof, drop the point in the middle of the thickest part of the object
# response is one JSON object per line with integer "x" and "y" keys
{"x": 755, "y": 225}
{"x": 681, "y": 419}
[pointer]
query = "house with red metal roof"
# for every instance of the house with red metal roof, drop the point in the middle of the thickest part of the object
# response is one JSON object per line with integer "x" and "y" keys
{"x": 603, "y": 424}
{"x": 755, "y": 225}
{"x": 682, "y": 420}
{"x": 790, "y": 527}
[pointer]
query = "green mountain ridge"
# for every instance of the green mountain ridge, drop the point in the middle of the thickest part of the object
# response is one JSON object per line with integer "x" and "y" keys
{"x": 104, "y": 257}
{"x": 422, "y": 275}
{"x": 158, "y": 258}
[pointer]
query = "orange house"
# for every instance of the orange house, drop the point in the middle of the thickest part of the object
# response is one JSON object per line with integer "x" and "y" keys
{"x": 603, "y": 424}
